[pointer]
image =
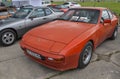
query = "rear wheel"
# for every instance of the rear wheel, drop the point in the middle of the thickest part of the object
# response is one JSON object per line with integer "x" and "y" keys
{"x": 85, "y": 55}
{"x": 7, "y": 37}
{"x": 115, "y": 33}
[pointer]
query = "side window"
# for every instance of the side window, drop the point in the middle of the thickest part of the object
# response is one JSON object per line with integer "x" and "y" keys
{"x": 38, "y": 13}
{"x": 105, "y": 14}
{"x": 48, "y": 11}
{"x": 110, "y": 14}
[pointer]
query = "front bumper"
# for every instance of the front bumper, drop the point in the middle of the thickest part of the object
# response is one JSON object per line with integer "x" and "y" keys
{"x": 60, "y": 65}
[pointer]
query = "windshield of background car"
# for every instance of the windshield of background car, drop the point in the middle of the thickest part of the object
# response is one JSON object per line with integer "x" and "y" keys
{"x": 82, "y": 15}
{"x": 22, "y": 13}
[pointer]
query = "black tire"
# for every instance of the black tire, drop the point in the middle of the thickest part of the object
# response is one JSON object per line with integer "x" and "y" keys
{"x": 85, "y": 56}
{"x": 115, "y": 33}
{"x": 7, "y": 37}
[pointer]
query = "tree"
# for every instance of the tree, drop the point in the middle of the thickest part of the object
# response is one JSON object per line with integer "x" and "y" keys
{"x": 98, "y": 0}
{"x": 82, "y": 0}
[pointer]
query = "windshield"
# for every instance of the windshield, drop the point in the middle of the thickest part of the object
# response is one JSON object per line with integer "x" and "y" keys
{"x": 82, "y": 15}
{"x": 22, "y": 13}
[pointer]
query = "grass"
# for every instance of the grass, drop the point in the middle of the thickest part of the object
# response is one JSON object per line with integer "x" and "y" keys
{"x": 114, "y": 6}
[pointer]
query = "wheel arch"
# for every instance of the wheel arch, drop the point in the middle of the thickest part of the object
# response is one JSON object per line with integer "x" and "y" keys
{"x": 92, "y": 43}
{"x": 12, "y": 30}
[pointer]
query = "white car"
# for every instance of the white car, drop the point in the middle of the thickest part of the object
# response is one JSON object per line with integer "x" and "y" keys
{"x": 72, "y": 4}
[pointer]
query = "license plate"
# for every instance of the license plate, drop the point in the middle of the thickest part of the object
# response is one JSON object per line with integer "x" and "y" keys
{"x": 33, "y": 54}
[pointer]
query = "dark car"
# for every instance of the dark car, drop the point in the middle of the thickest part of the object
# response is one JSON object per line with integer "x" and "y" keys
{"x": 23, "y": 20}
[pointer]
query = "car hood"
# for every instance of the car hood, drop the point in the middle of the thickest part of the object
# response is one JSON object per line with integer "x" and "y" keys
{"x": 61, "y": 31}
{"x": 54, "y": 36}
{"x": 8, "y": 21}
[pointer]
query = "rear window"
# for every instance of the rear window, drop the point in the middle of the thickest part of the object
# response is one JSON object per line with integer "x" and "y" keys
{"x": 48, "y": 11}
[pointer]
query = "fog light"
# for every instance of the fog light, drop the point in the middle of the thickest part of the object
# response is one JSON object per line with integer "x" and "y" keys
{"x": 50, "y": 59}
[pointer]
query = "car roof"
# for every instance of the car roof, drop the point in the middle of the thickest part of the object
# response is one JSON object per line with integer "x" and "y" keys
{"x": 95, "y": 8}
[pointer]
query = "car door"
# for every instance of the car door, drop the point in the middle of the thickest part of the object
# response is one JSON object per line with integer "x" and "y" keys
{"x": 103, "y": 30}
{"x": 113, "y": 23}
{"x": 107, "y": 26}
{"x": 36, "y": 18}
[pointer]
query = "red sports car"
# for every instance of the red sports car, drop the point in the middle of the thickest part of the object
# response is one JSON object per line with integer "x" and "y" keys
{"x": 69, "y": 42}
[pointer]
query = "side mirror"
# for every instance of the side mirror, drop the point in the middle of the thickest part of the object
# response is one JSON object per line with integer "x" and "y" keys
{"x": 107, "y": 21}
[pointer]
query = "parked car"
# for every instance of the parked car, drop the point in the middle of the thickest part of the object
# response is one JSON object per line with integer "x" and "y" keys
{"x": 51, "y": 5}
{"x": 6, "y": 12}
{"x": 72, "y": 4}
{"x": 3, "y": 13}
{"x": 62, "y": 8}
{"x": 11, "y": 11}
{"x": 22, "y": 21}
{"x": 68, "y": 42}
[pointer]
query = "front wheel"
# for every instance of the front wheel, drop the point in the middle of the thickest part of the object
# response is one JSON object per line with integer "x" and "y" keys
{"x": 7, "y": 37}
{"x": 85, "y": 55}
